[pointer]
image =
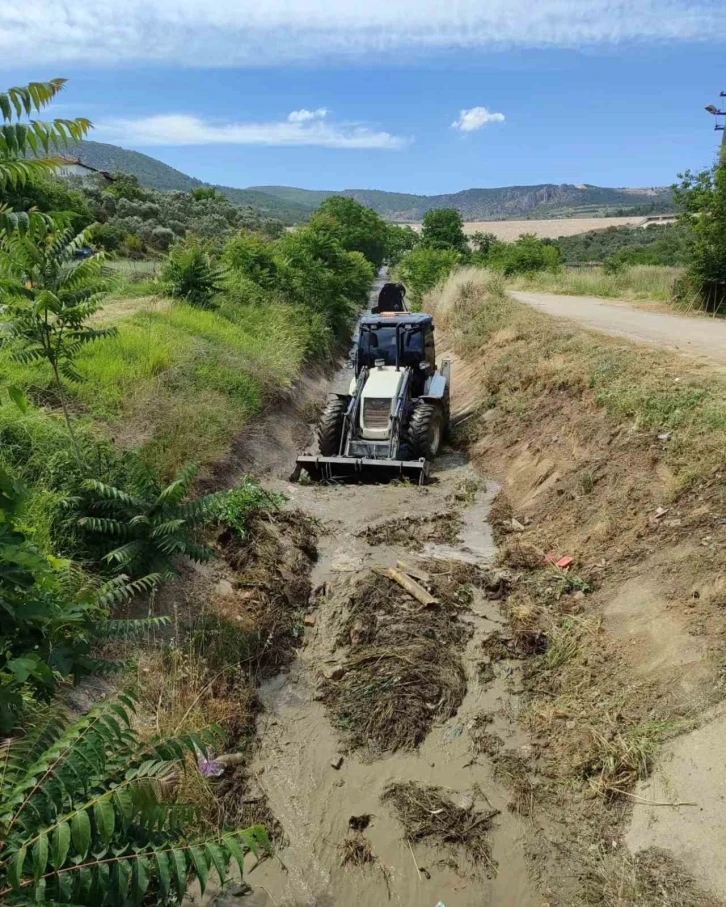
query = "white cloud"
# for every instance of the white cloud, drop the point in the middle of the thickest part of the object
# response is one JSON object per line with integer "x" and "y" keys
{"x": 301, "y": 127}
{"x": 304, "y": 116}
{"x": 253, "y": 33}
{"x": 476, "y": 118}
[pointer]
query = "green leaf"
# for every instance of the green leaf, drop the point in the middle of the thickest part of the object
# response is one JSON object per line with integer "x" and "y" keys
{"x": 140, "y": 878}
{"x": 18, "y": 398}
{"x": 178, "y": 862}
{"x": 60, "y": 843}
{"x": 40, "y": 855}
{"x": 15, "y": 867}
{"x": 235, "y": 848}
{"x": 105, "y": 818}
{"x": 218, "y": 859}
{"x": 81, "y": 833}
{"x": 162, "y": 865}
{"x": 121, "y": 878}
{"x": 200, "y": 865}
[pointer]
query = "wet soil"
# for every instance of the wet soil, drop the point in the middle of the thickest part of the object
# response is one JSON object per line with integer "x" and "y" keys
{"x": 299, "y": 747}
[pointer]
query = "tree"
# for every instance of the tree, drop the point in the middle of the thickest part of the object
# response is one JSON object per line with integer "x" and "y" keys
{"x": 50, "y": 297}
{"x": 400, "y": 239}
{"x": 444, "y": 229}
{"x": 90, "y": 814}
{"x": 424, "y": 267}
{"x": 25, "y": 147}
{"x": 315, "y": 271}
{"x": 356, "y": 227}
{"x": 483, "y": 242}
{"x": 702, "y": 197}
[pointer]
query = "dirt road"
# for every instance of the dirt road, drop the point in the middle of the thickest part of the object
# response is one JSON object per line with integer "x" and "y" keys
{"x": 703, "y": 338}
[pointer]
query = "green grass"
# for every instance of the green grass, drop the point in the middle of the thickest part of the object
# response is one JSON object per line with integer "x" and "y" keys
{"x": 636, "y": 282}
{"x": 178, "y": 385}
{"x": 132, "y": 279}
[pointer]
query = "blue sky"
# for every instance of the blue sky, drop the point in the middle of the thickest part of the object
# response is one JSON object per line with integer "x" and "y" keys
{"x": 407, "y": 96}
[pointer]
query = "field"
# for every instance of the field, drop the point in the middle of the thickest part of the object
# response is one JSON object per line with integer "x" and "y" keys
{"x": 509, "y": 230}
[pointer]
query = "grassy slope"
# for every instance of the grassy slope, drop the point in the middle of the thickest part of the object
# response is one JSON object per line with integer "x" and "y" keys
{"x": 590, "y": 436}
{"x": 177, "y": 383}
{"x": 636, "y": 282}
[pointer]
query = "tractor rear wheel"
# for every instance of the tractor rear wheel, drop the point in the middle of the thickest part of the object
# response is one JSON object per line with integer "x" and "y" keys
{"x": 330, "y": 427}
{"x": 426, "y": 429}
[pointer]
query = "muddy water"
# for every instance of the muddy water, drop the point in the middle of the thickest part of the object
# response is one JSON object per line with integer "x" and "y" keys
{"x": 314, "y": 801}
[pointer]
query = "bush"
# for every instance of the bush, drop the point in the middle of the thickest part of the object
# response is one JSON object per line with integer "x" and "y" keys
{"x": 525, "y": 256}
{"x": 424, "y": 267}
{"x": 253, "y": 257}
{"x": 236, "y": 508}
{"x": 189, "y": 274}
{"x": 52, "y": 617}
{"x": 144, "y": 526}
{"x": 91, "y": 815}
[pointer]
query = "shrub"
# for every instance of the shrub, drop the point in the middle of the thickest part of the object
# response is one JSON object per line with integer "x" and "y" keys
{"x": 528, "y": 254}
{"x": 189, "y": 274}
{"x": 52, "y": 618}
{"x": 236, "y": 508}
{"x": 424, "y": 267}
{"x": 153, "y": 525}
{"x": 89, "y": 815}
{"x": 253, "y": 257}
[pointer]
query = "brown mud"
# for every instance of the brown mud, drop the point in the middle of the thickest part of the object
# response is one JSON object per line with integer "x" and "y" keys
{"x": 299, "y": 745}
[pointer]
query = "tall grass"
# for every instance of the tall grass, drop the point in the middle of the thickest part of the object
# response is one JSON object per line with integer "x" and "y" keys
{"x": 636, "y": 282}
{"x": 178, "y": 384}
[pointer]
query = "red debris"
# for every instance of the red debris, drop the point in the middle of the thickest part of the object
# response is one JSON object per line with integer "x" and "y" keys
{"x": 565, "y": 562}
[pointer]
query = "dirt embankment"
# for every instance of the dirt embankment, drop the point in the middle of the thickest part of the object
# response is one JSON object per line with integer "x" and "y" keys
{"x": 611, "y": 457}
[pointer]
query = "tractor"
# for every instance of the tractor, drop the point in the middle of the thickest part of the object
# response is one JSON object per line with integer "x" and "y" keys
{"x": 395, "y": 414}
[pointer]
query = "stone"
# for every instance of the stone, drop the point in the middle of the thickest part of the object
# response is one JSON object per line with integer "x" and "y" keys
{"x": 337, "y": 762}
{"x": 309, "y": 620}
{"x": 336, "y": 672}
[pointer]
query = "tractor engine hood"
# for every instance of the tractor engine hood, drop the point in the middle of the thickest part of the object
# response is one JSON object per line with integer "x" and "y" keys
{"x": 378, "y": 400}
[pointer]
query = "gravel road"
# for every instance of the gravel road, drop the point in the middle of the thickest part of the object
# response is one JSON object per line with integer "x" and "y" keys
{"x": 700, "y": 337}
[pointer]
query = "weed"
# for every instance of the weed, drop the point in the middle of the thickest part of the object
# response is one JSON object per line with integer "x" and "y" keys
{"x": 635, "y": 282}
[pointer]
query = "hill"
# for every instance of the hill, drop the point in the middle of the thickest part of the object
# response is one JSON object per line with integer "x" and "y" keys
{"x": 292, "y": 205}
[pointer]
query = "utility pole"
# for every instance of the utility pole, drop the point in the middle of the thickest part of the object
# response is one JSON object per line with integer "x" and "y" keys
{"x": 719, "y": 127}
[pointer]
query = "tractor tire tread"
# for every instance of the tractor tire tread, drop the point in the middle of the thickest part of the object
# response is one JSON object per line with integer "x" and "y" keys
{"x": 420, "y": 428}
{"x": 330, "y": 426}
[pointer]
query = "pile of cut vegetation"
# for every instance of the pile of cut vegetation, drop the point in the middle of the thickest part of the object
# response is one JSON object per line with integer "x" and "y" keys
{"x": 403, "y": 671}
{"x": 430, "y": 816}
{"x": 272, "y": 564}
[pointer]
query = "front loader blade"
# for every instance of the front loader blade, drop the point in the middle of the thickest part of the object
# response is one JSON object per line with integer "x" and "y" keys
{"x": 326, "y": 469}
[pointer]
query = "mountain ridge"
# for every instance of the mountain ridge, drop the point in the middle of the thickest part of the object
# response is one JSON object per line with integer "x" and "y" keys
{"x": 293, "y": 205}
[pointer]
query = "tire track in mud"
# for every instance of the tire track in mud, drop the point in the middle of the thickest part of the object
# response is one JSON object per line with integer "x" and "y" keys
{"x": 299, "y": 747}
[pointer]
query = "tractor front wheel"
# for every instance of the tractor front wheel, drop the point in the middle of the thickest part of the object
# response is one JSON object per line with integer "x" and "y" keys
{"x": 330, "y": 427}
{"x": 426, "y": 430}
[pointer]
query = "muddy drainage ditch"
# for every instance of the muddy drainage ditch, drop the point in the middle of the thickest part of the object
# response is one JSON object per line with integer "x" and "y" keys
{"x": 382, "y": 750}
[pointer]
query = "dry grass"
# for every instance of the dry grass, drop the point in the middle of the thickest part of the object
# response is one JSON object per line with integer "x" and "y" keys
{"x": 509, "y": 230}
{"x": 650, "y": 879}
{"x": 428, "y": 815}
{"x": 648, "y": 282}
{"x": 356, "y": 850}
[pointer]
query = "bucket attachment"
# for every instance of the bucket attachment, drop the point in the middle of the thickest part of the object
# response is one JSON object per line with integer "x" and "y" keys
{"x": 326, "y": 469}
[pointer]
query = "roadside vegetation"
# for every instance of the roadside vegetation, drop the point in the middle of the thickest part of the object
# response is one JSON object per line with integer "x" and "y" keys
{"x": 612, "y": 455}
{"x": 110, "y": 418}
